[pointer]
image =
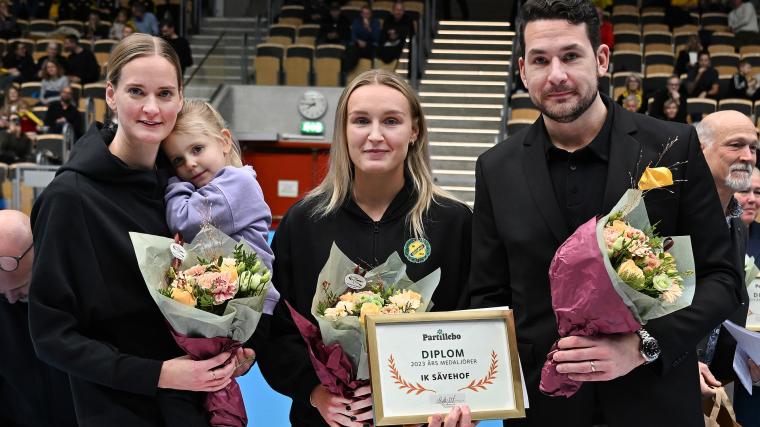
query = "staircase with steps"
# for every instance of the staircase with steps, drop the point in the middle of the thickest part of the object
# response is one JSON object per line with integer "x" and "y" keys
{"x": 462, "y": 92}
{"x": 224, "y": 64}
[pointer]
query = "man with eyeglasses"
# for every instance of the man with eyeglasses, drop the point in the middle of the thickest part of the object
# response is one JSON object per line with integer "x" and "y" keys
{"x": 31, "y": 392}
{"x": 673, "y": 90}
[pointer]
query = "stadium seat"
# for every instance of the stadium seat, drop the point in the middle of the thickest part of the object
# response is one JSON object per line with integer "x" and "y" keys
{"x": 723, "y": 38}
{"x": 363, "y": 65}
{"x": 655, "y": 81}
{"x": 749, "y": 49}
{"x": 30, "y": 92}
{"x": 725, "y": 63}
{"x": 307, "y": 34}
{"x": 530, "y": 114}
{"x": 626, "y": 27}
{"x": 521, "y": 100}
{"x": 741, "y": 105}
{"x": 714, "y": 18}
{"x": 628, "y": 37}
{"x": 41, "y": 45}
{"x": 350, "y": 12}
{"x": 40, "y": 111}
{"x": 267, "y": 63}
{"x": 516, "y": 125}
{"x": 28, "y": 42}
{"x": 297, "y": 65}
{"x": 626, "y": 60}
{"x": 625, "y": 18}
{"x": 650, "y": 28}
{"x": 659, "y": 37}
{"x": 41, "y": 27}
{"x": 281, "y": 34}
{"x": 653, "y": 18}
{"x": 327, "y": 64}
{"x": 72, "y": 23}
{"x": 53, "y": 144}
{"x": 291, "y": 15}
{"x": 701, "y": 106}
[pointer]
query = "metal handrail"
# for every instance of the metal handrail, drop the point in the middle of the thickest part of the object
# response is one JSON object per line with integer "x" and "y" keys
{"x": 508, "y": 89}
{"x": 205, "y": 57}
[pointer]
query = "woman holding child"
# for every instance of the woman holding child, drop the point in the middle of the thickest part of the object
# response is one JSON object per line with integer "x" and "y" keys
{"x": 90, "y": 313}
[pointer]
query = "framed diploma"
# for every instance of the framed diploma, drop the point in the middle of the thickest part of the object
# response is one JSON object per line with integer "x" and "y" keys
{"x": 425, "y": 363}
{"x": 753, "y": 315}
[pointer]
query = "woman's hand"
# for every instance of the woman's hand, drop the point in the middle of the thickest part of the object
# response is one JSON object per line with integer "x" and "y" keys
{"x": 339, "y": 411}
{"x": 244, "y": 358}
{"x": 209, "y": 375}
{"x": 754, "y": 371}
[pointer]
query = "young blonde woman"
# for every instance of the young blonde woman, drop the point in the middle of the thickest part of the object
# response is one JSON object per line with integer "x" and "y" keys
{"x": 378, "y": 198}
{"x": 90, "y": 313}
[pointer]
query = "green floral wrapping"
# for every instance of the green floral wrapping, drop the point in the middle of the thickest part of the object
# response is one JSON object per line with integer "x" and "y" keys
{"x": 240, "y": 317}
{"x": 348, "y": 331}
{"x": 643, "y": 307}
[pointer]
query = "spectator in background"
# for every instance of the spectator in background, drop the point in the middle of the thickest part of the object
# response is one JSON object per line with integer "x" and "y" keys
{"x": 365, "y": 37}
{"x": 744, "y": 84}
{"x": 62, "y": 112}
{"x": 82, "y": 66}
{"x": 107, "y": 9}
{"x": 632, "y": 103}
{"x": 13, "y": 104}
{"x": 314, "y": 11}
{"x": 743, "y": 20}
{"x": 334, "y": 27}
{"x": 128, "y": 30}
{"x": 145, "y": 22}
{"x": 25, "y": 9}
{"x": 396, "y": 29}
{"x": 19, "y": 63}
{"x": 702, "y": 80}
{"x": 670, "y": 111}
{"x": 33, "y": 393}
{"x": 94, "y": 29}
{"x": 53, "y": 51}
{"x": 447, "y": 15}
{"x": 15, "y": 146}
{"x": 633, "y": 87}
{"x": 53, "y": 82}
{"x": 673, "y": 92}
{"x": 687, "y": 58}
{"x": 8, "y": 26}
{"x": 117, "y": 28}
{"x": 605, "y": 29}
{"x": 180, "y": 44}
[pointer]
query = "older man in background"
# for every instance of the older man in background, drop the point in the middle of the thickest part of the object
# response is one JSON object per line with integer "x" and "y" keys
{"x": 32, "y": 393}
{"x": 729, "y": 143}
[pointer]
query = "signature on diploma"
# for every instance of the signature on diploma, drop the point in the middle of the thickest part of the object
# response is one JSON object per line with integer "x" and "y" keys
{"x": 448, "y": 400}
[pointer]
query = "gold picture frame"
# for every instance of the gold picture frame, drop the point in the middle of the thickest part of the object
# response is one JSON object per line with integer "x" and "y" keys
{"x": 469, "y": 320}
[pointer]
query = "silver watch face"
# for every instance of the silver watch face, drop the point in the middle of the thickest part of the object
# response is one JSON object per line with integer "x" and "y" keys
{"x": 650, "y": 350}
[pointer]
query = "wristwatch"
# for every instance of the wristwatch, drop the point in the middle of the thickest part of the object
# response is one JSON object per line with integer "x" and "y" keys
{"x": 649, "y": 348}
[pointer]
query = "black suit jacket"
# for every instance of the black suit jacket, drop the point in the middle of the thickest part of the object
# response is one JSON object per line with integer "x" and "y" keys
{"x": 518, "y": 226}
{"x": 722, "y": 366}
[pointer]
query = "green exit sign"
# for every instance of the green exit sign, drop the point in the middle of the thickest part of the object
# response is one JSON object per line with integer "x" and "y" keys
{"x": 312, "y": 128}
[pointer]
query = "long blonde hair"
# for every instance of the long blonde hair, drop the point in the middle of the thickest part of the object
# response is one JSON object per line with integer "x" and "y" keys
{"x": 198, "y": 116}
{"x": 333, "y": 191}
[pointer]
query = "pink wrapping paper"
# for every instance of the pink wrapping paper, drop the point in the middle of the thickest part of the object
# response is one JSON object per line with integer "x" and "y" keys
{"x": 332, "y": 365}
{"x": 584, "y": 301}
{"x": 225, "y": 407}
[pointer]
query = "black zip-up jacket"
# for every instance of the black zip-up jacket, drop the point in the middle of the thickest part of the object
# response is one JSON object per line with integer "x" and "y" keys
{"x": 90, "y": 313}
{"x": 32, "y": 393}
{"x": 301, "y": 247}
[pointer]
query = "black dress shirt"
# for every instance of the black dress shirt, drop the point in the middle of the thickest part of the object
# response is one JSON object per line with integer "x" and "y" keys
{"x": 579, "y": 177}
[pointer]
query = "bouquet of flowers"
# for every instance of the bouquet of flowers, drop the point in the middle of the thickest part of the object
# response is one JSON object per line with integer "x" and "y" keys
{"x": 212, "y": 293}
{"x": 345, "y": 294}
{"x": 614, "y": 274}
{"x": 209, "y": 285}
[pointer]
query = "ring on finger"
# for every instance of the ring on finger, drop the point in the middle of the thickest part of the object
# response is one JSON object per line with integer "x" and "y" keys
{"x": 593, "y": 367}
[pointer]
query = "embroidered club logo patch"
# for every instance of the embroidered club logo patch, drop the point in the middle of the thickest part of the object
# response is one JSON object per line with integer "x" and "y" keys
{"x": 417, "y": 250}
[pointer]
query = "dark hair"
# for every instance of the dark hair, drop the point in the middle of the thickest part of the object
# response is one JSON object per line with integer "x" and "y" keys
{"x": 72, "y": 37}
{"x": 575, "y": 12}
{"x": 704, "y": 52}
{"x": 167, "y": 23}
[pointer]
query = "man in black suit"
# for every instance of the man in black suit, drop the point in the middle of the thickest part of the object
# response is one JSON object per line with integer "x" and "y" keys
{"x": 573, "y": 163}
{"x": 32, "y": 393}
{"x": 729, "y": 143}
